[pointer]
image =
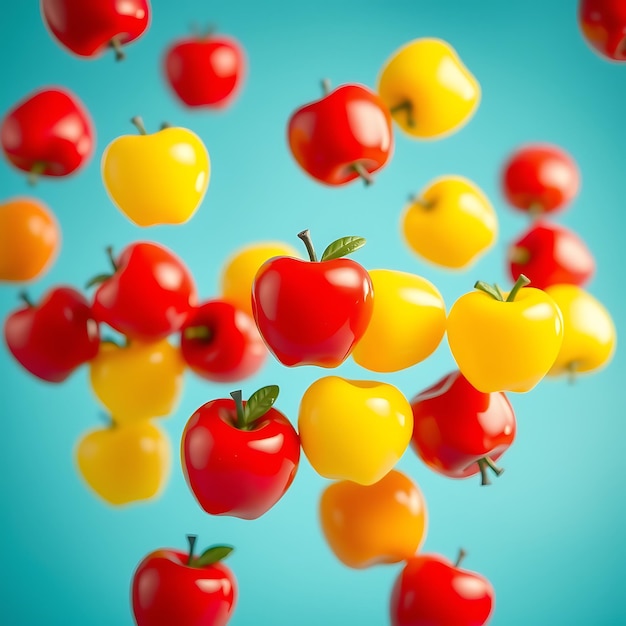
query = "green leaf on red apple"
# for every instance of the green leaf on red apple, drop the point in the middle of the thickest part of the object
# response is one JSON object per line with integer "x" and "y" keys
{"x": 342, "y": 247}
{"x": 212, "y": 555}
{"x": 260, "y": 402}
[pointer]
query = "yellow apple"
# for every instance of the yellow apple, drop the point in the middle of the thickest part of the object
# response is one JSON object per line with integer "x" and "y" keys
{"x": 407, "y": 325}
{"x": 451, "y": 223}
{"x": 241, "y": 267}
{"x": 354, "y": 429}
{"x": 124, "y": 464}
{"x": 427, "y": 88}
{"x": 158, "y": 178}
{"x": 589, "y": 334}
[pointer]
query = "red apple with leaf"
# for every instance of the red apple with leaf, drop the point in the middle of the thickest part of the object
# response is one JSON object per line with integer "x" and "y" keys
{"x": 148, "y": 295}
{"x": 171, "y": 587}
{"x": 313, "y": 312}
{"x": 89, "y": 27}
{"x": 48, "y": 133}
{"x": 205, "y": 70}
{"x": 54, "y": 337}
{"x": 239, "y": 458}
{"x": 343, "y": 136}
{"x": 432, "y": 591}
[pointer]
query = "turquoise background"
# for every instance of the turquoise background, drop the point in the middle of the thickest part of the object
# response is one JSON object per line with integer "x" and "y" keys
{"x": 549, "y": 533}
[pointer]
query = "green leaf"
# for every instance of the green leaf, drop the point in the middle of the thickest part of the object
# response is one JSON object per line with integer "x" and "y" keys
{"x": 260, "y": 403}
{"x": 342, "y": 247}
{"x": 212, "y": 555}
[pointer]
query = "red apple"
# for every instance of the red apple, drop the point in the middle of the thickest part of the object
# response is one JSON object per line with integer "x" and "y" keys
{"x": 431, "y": 591}
{"x": 459, "y": 431}
{"x": 603, "y": 24}
{"x": 53, "y": 338}
{"x": 342, "y": 136}
{"x": 550, "y": 255}
{"x": 148, "y": 296}
{"x": 240, "y": 458}
{"x": 540, "y": 178}
{"x": 88, "y": 27}
{"x": 49, "y": 133}
{"x": 171, "y": 587}
{"x": 221, "y": 343}
{"x": 313, "y": 312}
{"x": 205, "y": 70}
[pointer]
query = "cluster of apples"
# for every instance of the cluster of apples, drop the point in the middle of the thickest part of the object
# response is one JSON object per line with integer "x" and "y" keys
{"x": 240, "y": 457}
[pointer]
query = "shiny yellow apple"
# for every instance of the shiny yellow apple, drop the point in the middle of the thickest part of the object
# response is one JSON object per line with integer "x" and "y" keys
{"x": 407, "y": 324}
{"x": 428, "y": 89}
{"x": 451, "y": 223}
{"x": 158, "y": 178}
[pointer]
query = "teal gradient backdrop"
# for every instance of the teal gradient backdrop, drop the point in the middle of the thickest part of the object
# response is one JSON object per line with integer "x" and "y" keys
{"x": 549, "y": 533}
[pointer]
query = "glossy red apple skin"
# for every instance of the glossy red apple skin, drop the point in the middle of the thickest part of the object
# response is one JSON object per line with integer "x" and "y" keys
{"x": 603, "y": 25}
{"x": 540, "y": 178}
{"x": 150, "y": 294}
{"x": 230, "y": 347}
{"x": 205, "y": 71}
{"x": 54, "y": 337}
{"x": 312, "y": 313}
{"x": 167, "y": 592}
{"x": 431, "y": 591}
{"x": 455, "y": 425}
{"x": 87, "y": 27}
{"x": 350, "y": 125}
{"x": 241, "y": 473}
{"x": 549, "y": 254}
{"x": 50, "y": 132}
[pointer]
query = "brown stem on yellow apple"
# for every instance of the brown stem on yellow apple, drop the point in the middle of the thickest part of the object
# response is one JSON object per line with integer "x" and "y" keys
{"x": 572, "y": 372}
{"x": 519, "y": 255}
{"x": 359, "y": 168}
{"x": 165, "y": 125}
{"x": 38, "y": 168}
{"x": 116, "y": 45}
{"x": 191, "y": 539}
{"x": 427, "y": 205}
{"x": 407, "y": 106}
{"x": 306, "y": 237}
{"x": 138, "y": 123}
{"x": 326, "y": 86}
{"x": 241, "y": 418}
{"x": 24, "y": 297}
{"x": 461, "y": 555}
{"x": 198, "y": 332}
{"x": 521, "y": 281}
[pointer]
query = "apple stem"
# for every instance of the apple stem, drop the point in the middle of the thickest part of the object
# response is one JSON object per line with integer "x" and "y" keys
{"x": 359, "y": 168}
{"x": 198, "y": 332}
{"x": 305, "y": 235}
{"x": 109, "y": 251}
{"x": 535, "y": 210}
{"x": 485, "y": 464}
{"x": 521, "y": 281}
{"x": 572, "y": 372}
{"x": 138, "y": 123}
{"x": 427, "y": 205}
{"x": 165, "y": 125}
{"x": 38, "y": 168}
{"x": 407, "y": 106}
{"x": 496, "y": 294}
{"x": 237, "y": 397}
{"x": 325, "y": 86}
{"x": 519, "y": 255}
{"x": 191, "y": 539}
{"x": 26, "y": 299}
{"x": 116, "y": 44}
{"x": 462, "y": 554}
